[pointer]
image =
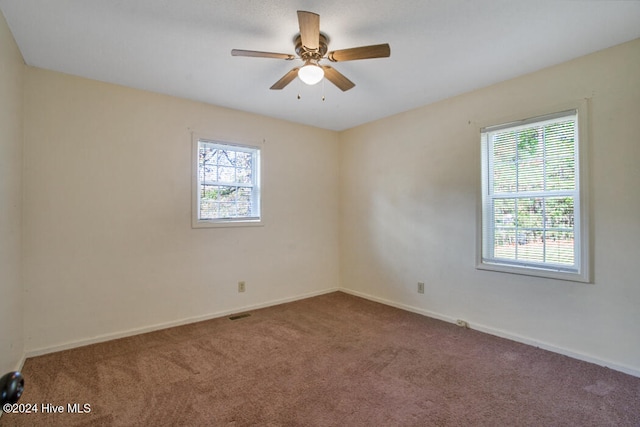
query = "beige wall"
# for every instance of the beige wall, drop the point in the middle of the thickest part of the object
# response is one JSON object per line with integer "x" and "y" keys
{"x": 11, "y": 305}
{"x": 408, "y": 213}
{"x": 109, "y": 247}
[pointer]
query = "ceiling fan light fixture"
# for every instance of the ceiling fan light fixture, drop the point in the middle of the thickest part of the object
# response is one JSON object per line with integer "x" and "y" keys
{"x": 311, "y": 73}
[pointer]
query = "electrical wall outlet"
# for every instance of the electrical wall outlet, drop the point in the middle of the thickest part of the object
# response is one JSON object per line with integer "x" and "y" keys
{"x": 242, "y": 286}
{"x": 420, "y": 287}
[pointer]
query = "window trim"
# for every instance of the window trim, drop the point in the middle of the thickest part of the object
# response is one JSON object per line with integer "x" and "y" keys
{"x": 196, "y": 222}
{"x": 582, "y": 223}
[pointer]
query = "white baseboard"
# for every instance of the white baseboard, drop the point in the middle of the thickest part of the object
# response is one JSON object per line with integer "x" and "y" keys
{"x": 20, "y": 363}
{"x": 482, "y": 328}
{"x": 405, "y": 307}
{"x": 504, "y": 334}
{"x": 123, "y": 334}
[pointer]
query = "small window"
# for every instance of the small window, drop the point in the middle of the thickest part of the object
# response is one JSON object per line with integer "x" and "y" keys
{"x": 533, "y": 216}
{"x": 226, "y": 184}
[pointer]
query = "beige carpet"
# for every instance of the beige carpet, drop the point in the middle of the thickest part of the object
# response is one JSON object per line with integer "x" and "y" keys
{"x": 332, "y": 360}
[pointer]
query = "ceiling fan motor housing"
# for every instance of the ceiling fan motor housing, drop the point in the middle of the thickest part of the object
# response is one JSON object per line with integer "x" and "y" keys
{"x": 305, "y": 53}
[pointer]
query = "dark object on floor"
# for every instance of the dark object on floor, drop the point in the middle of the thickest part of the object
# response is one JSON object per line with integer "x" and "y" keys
{"x": 11, "y": 387}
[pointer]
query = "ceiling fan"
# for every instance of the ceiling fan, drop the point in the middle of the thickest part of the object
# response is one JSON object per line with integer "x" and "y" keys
{"x": 311, "y": 47}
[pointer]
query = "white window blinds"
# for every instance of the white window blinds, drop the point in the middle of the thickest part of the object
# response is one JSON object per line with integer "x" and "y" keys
{"x": 531, "y": 194}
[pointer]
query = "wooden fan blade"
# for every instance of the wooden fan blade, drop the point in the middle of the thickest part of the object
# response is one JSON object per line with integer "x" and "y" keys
{"x": 257, "y": 54}
{"x": 309, "y": 29}
{"x": 337, "y": 78}
{"x": 285, "y": 80}
{"x": 363, "y": 52}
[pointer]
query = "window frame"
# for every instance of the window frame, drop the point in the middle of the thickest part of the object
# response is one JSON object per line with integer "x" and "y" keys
{"x": 257, "y": 152}
{"x": 581, "y": 271}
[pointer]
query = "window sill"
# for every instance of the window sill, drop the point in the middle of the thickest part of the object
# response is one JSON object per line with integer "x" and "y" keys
{"x": 535, "y": 272}
{"x": 227, "y": 223}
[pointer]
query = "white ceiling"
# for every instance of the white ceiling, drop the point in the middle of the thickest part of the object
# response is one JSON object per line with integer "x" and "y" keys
{"x": 439, "y": 48}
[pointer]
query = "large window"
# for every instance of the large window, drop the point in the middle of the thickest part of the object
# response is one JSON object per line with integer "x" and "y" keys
{"x": 533, "y": 213}
{"x": 226, "y": 184}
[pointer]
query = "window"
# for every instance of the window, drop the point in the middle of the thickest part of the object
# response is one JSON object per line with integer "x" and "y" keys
{"x": 226, "y": 184}
{"x": 533, "y": 216}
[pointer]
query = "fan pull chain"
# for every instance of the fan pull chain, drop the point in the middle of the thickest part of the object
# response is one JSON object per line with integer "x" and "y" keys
{"x": 323, "y": 93}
